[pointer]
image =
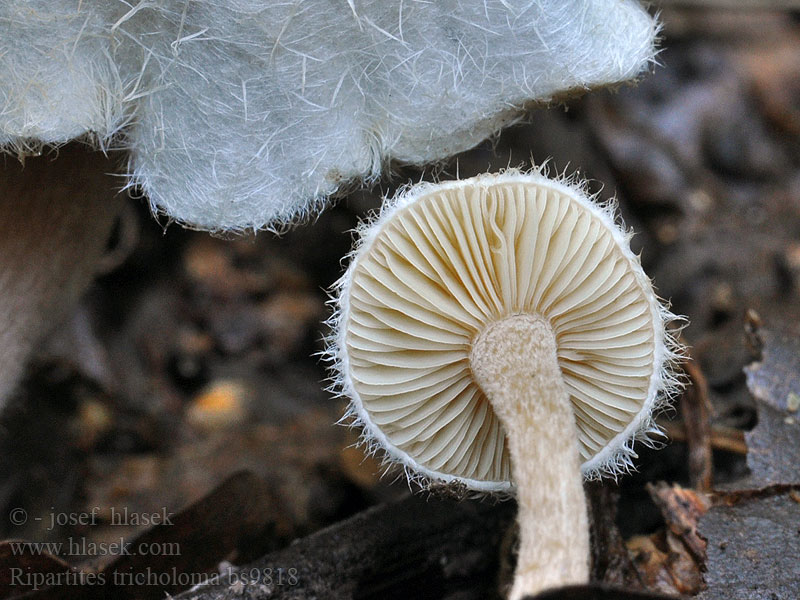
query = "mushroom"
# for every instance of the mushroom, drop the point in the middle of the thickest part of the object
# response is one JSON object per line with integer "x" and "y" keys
{"x": 56, "y": 215}
{"x": 498, "y": 333}
{"x": 249, "y": 114}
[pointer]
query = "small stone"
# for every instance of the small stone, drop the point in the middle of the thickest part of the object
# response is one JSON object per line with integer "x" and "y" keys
{"x": 792, "y": 402}
{"x": 220, "y": 405}
{"x": 94, "y": 420}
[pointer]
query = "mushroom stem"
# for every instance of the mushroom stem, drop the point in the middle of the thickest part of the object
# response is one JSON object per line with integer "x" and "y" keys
{"x": 514, "y": 361}
{"x": 56, "y": 215}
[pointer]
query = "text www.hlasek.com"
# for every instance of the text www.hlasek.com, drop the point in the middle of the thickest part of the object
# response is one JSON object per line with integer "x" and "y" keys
{"x": 83, "y": 547}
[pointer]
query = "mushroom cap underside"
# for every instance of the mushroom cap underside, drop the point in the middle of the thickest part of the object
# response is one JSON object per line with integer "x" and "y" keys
{"x": 444, "y": 261}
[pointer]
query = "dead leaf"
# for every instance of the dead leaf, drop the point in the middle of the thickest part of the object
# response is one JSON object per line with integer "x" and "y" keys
{"x": 774, "y": 444}
{"x": 753, "y": 545}
{"x": 671, "y": 560}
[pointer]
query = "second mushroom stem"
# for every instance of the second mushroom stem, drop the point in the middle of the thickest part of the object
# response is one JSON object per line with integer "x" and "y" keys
{"x": 515, "y": 363}
{"x": 56, "y": 215}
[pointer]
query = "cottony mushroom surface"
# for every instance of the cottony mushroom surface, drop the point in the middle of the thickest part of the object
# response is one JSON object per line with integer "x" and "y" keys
{"x": 498, "y": 333}
{"x": 247, "y": 114}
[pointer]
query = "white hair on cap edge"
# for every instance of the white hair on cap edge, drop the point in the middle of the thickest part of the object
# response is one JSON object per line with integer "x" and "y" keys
{"x": 616, "y": 458}
{"x": 246, "y": 114}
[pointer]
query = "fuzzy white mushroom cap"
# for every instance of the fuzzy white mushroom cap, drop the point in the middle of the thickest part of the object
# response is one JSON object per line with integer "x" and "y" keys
{"x": 444, "y": 261}
{"x": 243, "y": 114}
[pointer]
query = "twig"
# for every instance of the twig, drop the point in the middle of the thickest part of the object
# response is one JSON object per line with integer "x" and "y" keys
{"x": 696, "y": 410}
